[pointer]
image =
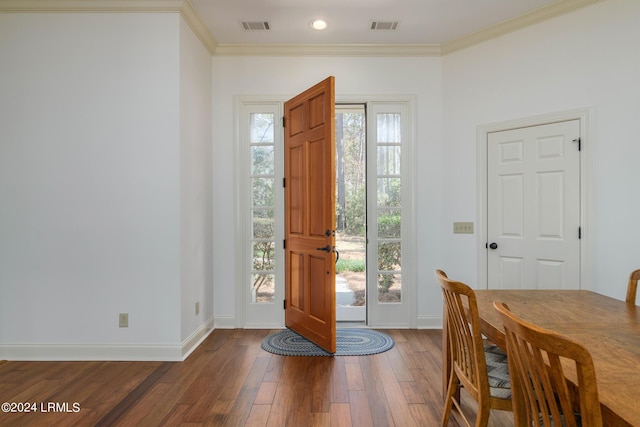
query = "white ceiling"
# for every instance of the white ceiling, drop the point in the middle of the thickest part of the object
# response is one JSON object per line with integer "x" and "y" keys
{"x": 431, "y": 22}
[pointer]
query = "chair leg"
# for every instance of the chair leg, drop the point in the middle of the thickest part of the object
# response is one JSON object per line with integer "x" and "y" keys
{"x": 448, "y": 401}
{"x": 483, "y": 416}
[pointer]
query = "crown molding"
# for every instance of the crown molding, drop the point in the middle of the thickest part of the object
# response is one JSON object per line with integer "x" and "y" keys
{"x": 200, "y": 30}
{"x": 327, "y": 50}
{"x": 91, "y": 5}
{"x": 187, "y": 11}
{"x": 557, "y": 8}
{"x": 184, "y": 7}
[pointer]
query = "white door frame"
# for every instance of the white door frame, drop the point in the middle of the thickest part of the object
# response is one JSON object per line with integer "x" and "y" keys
{"x": 408, "y": 317}
{"x": 586, "y": 187}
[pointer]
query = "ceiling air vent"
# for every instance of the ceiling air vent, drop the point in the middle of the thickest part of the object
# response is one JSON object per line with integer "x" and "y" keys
{"x": 384, "y": 25}
{"x": 256, "y": 25}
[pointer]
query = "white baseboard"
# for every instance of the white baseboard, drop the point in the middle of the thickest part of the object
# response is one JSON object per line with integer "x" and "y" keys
{"x": 77, "y": 352}
{"x": 429, "y": 322}
{"x": 107, "y": 352}
{"x": 196, "y": 338}
{"x": 224, "y": 322}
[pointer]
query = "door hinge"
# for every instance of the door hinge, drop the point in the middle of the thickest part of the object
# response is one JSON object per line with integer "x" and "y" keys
{"x": 579, "y": 141}
{"x": 579, "y": 232}
{"x": 284, "y": 182}
{"x": 283, "y": 122}
{"x": 284, "y": 244}
{"x": 284, "y": 304}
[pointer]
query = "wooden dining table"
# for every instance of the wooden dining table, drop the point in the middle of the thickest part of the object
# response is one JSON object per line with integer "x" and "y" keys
{"x": 607, "y": 327}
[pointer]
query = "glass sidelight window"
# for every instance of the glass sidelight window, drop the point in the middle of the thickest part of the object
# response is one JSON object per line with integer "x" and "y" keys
{"x": 262, "y": 206}
{"x": 389, "y": 206}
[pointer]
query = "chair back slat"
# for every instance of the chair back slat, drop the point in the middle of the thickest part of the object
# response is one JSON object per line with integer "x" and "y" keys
{"x": 465, "y": 339}
{"x": 539, "y": 360}
{"x": 467, "y": 358}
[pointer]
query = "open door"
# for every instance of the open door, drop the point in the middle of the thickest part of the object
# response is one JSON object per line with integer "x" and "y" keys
{"x": 310, "y": 291}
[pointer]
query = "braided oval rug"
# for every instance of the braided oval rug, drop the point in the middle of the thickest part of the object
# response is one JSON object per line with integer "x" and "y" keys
{"x": 349, "y": 342}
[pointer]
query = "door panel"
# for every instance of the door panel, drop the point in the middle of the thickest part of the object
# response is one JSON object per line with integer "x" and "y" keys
{"x": 296, "y": 191}
{"x": 310, "y": 214}
{"x": 534, "y": 207}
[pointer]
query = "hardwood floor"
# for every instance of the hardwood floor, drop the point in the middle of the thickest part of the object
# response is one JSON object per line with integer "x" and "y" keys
{"x": 230, "y": 381}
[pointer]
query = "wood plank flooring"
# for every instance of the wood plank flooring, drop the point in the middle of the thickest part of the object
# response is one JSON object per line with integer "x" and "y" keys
{"x": 230, "y": 381}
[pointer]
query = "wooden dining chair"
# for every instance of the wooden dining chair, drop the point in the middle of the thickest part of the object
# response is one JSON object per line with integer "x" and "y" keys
{"x": 481, "y": 369}
{"x": 541, "y": 393}
{"x": 632, "y": 286}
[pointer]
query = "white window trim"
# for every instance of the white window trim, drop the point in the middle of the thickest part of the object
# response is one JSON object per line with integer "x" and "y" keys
{"x": 260, "y": 315}
{"x": 403, "y": 314}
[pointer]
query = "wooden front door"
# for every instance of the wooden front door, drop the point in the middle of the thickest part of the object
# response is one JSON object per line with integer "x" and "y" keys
{"x": 310, "y": 296}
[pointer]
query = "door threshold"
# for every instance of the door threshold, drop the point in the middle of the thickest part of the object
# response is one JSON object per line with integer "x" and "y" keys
{"x": 343, "y": 324}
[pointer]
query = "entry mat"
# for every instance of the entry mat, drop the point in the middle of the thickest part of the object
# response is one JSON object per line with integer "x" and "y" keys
{"x": 349, "y": 342}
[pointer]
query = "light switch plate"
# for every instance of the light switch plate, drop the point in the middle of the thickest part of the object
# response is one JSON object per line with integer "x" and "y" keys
{"x": 123, "y": 320}
{"x": 463, "y": 227}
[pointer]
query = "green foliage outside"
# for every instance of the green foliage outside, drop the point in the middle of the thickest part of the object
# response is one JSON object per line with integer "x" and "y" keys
{"x": 263, "y": 252}
{"x": 389, "y": 253}
{"x": 355, "y": 265}
{"x": 355, "y": 212}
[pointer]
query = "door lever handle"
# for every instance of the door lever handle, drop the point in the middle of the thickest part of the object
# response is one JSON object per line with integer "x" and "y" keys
{"x": 324, "y": 248}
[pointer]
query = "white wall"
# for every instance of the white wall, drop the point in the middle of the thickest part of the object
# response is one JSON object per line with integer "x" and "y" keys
{"x": 286, "y": 76}
{"x": 196, "y": 186}
{"x": 103, "y": 156}
{"x": 587, "y": 59}
{"x": 105, "y": 189}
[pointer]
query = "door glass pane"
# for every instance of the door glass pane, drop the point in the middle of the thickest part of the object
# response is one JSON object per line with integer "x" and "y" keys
{"x": 389, "y": 287}
{"x": 263, "y": 256}
{"x": 262, "y": 128}
{"x": 389, "y": 224}
{"x": 262, "y": 191}
{"x": 389, "y": 256}
{"x": 262, "y": 288}
{"x": 389, "y": 192}
{"x": 263, "y": 224}
{"x": 262, "y": 160}
{"x": 388, "y": 160}
{"x": 389, "y": 129}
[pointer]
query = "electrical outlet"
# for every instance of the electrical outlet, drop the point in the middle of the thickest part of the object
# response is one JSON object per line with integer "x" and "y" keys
{"x": 197, "y": 307}
{"x": 123, "y": 320}
{"x": 463, "y": 227}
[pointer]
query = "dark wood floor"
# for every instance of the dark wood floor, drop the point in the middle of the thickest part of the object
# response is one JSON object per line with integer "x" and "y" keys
{"x": 230, "y": 381}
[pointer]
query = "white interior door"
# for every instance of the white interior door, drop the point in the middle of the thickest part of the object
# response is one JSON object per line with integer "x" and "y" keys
{"x": 533, "y": 207}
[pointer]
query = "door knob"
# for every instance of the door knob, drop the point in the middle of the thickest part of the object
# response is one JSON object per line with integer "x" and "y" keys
{"x": 493, "y": 245}
{"x": 324, "y": 248}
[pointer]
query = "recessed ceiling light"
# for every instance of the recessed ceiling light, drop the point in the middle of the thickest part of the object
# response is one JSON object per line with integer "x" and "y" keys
{"x": 318, "y": 24}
